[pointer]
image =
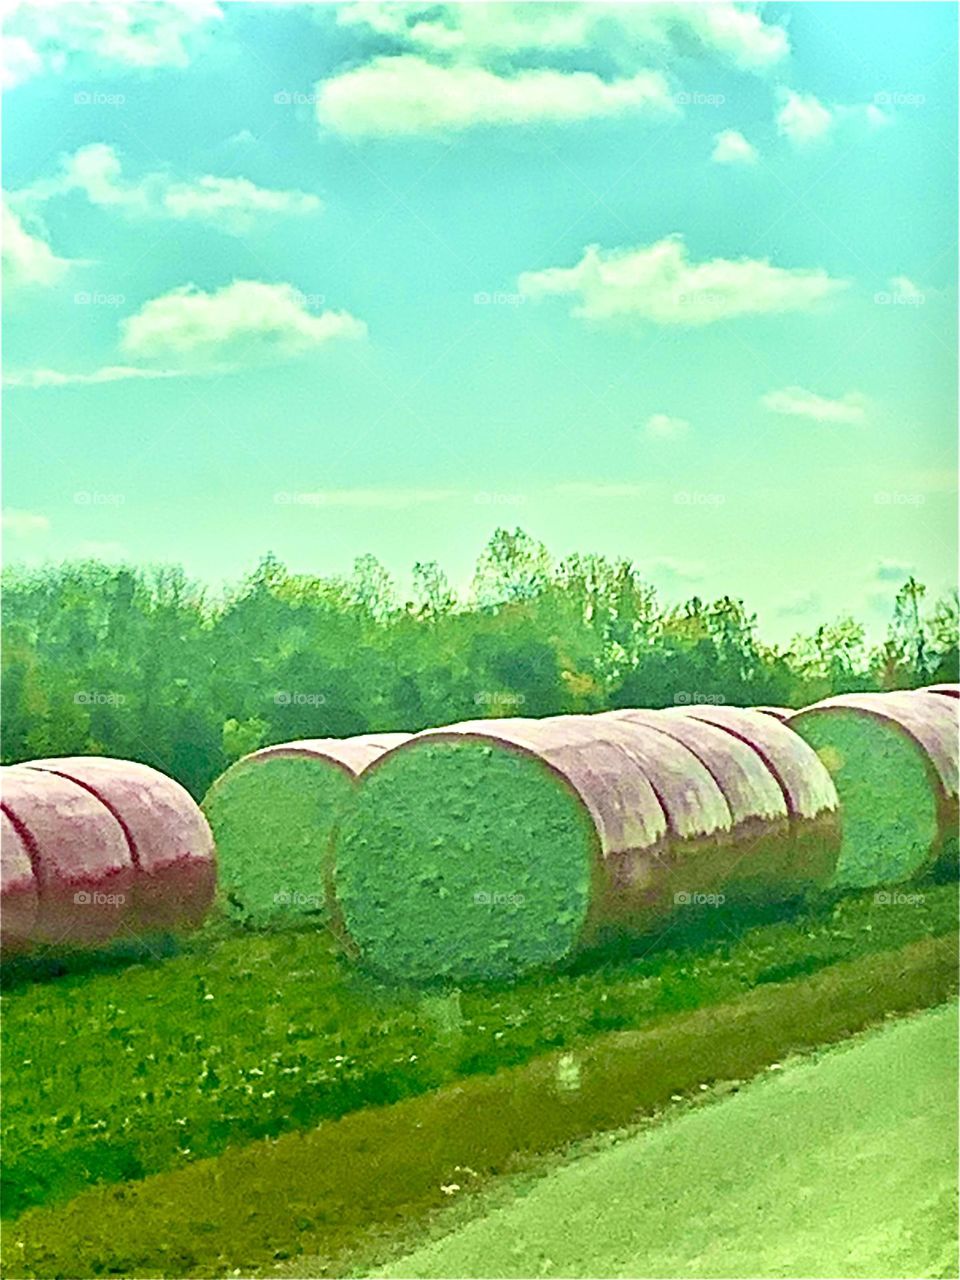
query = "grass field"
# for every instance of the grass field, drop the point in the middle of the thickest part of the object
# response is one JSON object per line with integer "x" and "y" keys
{"x": 841, "y": 1166}
{"x": 347, "y": 1193}
{"x": 116, "y": 1075}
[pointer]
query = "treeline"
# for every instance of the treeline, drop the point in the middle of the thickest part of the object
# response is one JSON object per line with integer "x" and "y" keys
{"x": 140, "y": 663}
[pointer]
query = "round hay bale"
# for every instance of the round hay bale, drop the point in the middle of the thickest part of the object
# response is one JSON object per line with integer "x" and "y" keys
{"x": 488, "y": 848}
{"x": 175, "y": 872}
{"x": 80, "y": 857}
{"x": 948, "y": 690}
{"x": 18, "y": 890}
{"x": 273, "y": 814}
{"x": 807, "y": 788}
{"x": 760, "y": 847}
{"x": 893, "y": 758}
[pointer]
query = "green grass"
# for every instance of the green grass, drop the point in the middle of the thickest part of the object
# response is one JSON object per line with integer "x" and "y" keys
{"x": 123, "y": 1073}
{"x": 346, "y": 1192}
{"x": 857, "y": 1176}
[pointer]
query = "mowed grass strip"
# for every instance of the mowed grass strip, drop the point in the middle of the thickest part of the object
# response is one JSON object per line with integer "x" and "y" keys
{"x": 856, "y": 1176}
{"x": 119, "y": 1075}
{"x": 345, "y": 1189}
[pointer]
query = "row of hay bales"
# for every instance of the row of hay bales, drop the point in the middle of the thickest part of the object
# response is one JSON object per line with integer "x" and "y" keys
{"x": 95, "y": 849}
{"x": 491, "y": 847}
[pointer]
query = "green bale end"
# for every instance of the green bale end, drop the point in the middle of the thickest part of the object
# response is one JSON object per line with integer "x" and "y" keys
{"x": 464, "y": 860}
{"x": 888, "y": 801}
{"x": 273, "y": 819}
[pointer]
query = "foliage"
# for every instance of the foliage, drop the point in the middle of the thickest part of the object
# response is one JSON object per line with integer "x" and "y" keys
{"x": 140, "y": 663}
{"x": 114, "y": 1075}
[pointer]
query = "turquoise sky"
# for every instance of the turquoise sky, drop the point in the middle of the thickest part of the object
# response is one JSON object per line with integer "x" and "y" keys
{"x": 318, "y": 279}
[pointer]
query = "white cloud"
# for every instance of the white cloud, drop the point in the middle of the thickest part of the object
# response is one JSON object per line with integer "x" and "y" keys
{"x": 37, "y": 378}
{"x": 803, "y": 119}
{"x": 88, "y": 36}
{"x": 797, "y": 402}
{"x": 661, "y": 426}
{"x": 735, "y": 33}
{"x": 904, "y": 290}
{"x": 408, "y": 95}
{"x": 670, "y": 572}
{"x": 892, "y": 571}
{"x": 731, "y": 147}
{"x": 23, "y": 524}
{"x": 27, "y": 257}
{"x": 230, "y": 204}
{"x": 187, "y": 322}
{"x": 660, "y": 284}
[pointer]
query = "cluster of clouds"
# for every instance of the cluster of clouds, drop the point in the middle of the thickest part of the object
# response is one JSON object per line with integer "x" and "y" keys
{"x": 229, "y": 204}
{"x": 425, "y": 69}
{"x": 88, "y": 36}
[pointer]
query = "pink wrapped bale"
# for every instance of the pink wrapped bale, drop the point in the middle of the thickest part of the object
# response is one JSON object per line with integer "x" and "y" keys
{"x": 893, "y": 758}
{"x": 487, "y": 848}
{"x": 170, "y": 844}
{"x": 18, "y": 890}
{"x": 760, "y": 848}
{"x": 807, "y": 787}
{"x": 79, "y": 854}
{"x": 947, "y": 690}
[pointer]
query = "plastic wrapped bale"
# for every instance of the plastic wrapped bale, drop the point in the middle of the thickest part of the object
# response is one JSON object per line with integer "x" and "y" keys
{"x": 18, "y": 890}
{"x": 893, "y": 757}
{"x": 760, "y": 850}
{"x": 948, "y": 690}
{"x": 807, "y": 787}
{"x": 273, "y": 814}
{"x": 488, "y": 848}
{"x": 175, "y": 872}
{"x": 79, "y": 854}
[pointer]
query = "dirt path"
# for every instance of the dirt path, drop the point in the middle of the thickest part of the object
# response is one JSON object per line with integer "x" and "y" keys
{"x": 845, "y": 1165}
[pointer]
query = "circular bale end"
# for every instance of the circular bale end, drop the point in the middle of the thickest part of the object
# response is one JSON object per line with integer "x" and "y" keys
{"x": 273, "y": 815}
{"x": 175, "y": 873}
{"x": 18, "y": 890}
{"x": 80, "y": 856}
{"x": 893, "y": 759}
{"x": 464, "y": 857}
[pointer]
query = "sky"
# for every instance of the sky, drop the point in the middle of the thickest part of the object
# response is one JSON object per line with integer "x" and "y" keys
{"x": 670, "y": 282}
